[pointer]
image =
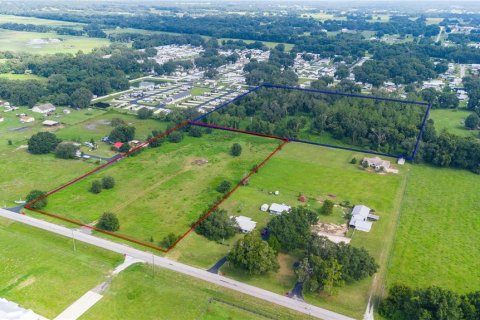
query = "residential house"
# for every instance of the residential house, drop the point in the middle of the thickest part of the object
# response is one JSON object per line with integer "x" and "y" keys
{"x": 44, "y": 109}
{"x": 360, "y": 218}
{"x": 50, "y": 123}
{"x": 276, "y": 208}
{"x": 246, "y": 224}
{"x": 377, "y": 163}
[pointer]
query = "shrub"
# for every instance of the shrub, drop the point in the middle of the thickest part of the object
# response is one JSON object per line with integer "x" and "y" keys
{"x": 108, "y": 182}
{"x": 169, "y": 240}
{"x": 224, "y": 187}
{"x": 327, "y": 207}
{"x": 144, "y": 113}
{"x": 34, "y": 195}
{"x": 108, "y": 221}
{"x": 236, "y": 150}
{"x": 175, "y": 137}
{"x": 65, "y": 150}
{"x": 96, "y": 187}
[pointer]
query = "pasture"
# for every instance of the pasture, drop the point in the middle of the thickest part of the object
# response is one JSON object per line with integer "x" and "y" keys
{"x": 318, "y": 173}
{"x": 164, "y": 190}
{"x": 438, "y": 237}
{"x": 453, "y": 121}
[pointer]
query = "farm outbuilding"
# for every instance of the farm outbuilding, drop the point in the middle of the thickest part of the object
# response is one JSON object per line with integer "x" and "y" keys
{"x": 264, "y": 207}
{"x": 276, "y": 208}
{"x": 245, "y": 223}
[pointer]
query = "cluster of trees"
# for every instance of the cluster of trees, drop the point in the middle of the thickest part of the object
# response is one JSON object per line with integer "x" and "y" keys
{"x": 42, "y": 143}
{"x": 217, "y": 226}
{"x": 325, "y": 265}
{"x": 449, "y": 150}
{"x": 73, "y": 79}
{"x": 92, "y": 30}
{"x": 109, "y": 222}
{"x": 122, "y": 133}
{"x": 34, "y": 195}
{"x": 405, "y": 303}
{"x": 445, "y": 99}
{"x": 265, "y": 72}
{"x": 472, "y": 86}
{"x": 372, "y": 124}
{"x": 107, "y": 182}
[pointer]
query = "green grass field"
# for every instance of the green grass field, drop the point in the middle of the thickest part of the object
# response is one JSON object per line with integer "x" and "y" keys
{"x": 318, "y": 173}
{"x": 21, "y": 171}
{"x": 19, "y": 41}
{"x": 4, "y": 18}
{"x": 163, "y": 190}
{"x": 438, "y": 235}
{"x": 452, "y": 121}
{"x": 137, "y": 293}
{"x": 12, "y": 76}
{"x": 40, "y": 271}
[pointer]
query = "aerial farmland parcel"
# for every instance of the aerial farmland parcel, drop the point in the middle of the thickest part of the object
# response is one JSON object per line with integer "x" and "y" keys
{"x": 164, "y": 190}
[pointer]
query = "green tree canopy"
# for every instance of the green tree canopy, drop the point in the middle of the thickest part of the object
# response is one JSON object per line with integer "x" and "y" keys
{"x": 253, "y": 254}
{"x": 108, "y": 221}
{"x": 122, "y": 133}
{"x": 81, "y": 98}
{"x": 236, "y": 150}
{"x": 34, "y": 195}
{"x": 65, "y": 150}
{"x": 42, "y": 143}
{"x": 217, "y": 226}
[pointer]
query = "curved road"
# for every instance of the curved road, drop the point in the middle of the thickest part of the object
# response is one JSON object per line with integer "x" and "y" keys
{"x": 284, "y": 301}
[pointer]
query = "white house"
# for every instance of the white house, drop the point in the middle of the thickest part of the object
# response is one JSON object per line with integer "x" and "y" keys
{"x": 276, "y": 208}
{"x": 377, "y": 163}
{"x": 245, "y": 223}
{"x": 45, "y": 108}
{"x": 360, "y": 218}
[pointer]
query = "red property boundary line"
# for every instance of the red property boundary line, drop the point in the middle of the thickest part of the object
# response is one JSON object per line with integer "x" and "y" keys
{"x": 133, "y": 240}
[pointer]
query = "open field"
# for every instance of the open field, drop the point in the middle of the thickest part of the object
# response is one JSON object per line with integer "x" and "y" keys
{"x": 137, "y": 293}
{"x": 438, "y": 237}
{"x": 22, "y": 171}
{"x": 41, "y": 271}
{"x": 163, "y": 190}
{"x": 217, "y": 310}
{"x": 5, "y": 18}
{"x": 12, "y": 76}
{"x": 35, "y": 42}
{"x": 452, "y": 121}
{"x": 318, "y": 173}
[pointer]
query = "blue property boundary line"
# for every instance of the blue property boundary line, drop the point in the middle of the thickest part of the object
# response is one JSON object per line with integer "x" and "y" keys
{"x": 272, "y": 86}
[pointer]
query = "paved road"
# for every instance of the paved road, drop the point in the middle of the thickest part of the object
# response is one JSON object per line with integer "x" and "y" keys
{"x": 178, "y": 267}
{"x": 439, "y": 34}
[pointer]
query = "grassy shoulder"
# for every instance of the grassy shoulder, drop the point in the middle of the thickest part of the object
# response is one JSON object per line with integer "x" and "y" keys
{"x": 169, "y": 295}
{"x": 41, "y": 271}
{"x": 438, "y": 233}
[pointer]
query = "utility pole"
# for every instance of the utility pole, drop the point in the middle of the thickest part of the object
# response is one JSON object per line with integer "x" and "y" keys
{"x": 153, "y": 265}
{"x": 73, "y": 240}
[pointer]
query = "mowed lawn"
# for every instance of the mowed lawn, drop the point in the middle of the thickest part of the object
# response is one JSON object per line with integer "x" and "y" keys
{"x": 164, "y": 190}
{"x": 318, "y": 173}
{"x": 42, "y": 272}
{"x": 438, "y": 238}
{"x": 138, "y": 293}
{"x": 453, "y": 121}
